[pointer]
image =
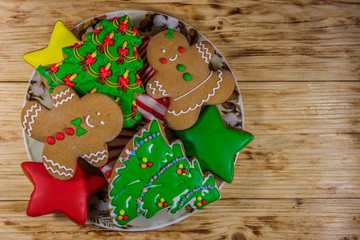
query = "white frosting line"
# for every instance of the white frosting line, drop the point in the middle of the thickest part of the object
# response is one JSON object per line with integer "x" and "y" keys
{"x": 201, "y": 47}
{"x": 127, "y": 201}
{"x": 64, "y": 100}
{"x": 58, "y": 165}
{"x": 208, "y": 77}
{"x": 57, "y": 172}
{"x": 151, "y": 88}
{"x": 203, "y": 101}
{"x": 163, "y": 92}
{"x": 32, "y": 117}
{"x": 94, "y": 154}
{"x": 174, "y": 58}
{"x": 87, "y": 121}
{"x": 61, "y": 94}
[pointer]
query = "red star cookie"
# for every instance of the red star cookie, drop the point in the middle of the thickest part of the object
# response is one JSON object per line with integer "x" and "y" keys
{"x": 67, "y": 196}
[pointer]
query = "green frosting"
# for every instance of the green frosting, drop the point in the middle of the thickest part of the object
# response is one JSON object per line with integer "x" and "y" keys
{"x": 80, "y": 131}
{"x": 214, "y": 144}
{"x": 157, "y": 176}
{"x": 170, "y": 34}
{"x": 107, "y": 62}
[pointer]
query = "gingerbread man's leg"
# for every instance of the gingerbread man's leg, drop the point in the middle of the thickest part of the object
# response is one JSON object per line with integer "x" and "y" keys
{"x": 60, "y": 166}
{"x": 98, "y": 157}
{"x": 175, "y": 117}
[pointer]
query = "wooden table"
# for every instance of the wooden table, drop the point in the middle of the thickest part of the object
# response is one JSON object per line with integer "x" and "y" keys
{"x": 298, "y": 66}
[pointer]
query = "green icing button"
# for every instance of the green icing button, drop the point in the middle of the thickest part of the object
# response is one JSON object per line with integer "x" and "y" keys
{"x": 181, "y": 68}
{"x": 187, "y": 76}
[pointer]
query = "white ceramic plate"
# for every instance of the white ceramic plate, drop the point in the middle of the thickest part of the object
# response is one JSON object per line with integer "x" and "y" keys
{"x": 148, "y": 24}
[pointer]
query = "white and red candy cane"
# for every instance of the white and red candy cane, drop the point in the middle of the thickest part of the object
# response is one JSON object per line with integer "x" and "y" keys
{"x": 148, "y": 107}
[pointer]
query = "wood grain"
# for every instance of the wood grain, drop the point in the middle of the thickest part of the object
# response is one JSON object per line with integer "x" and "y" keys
{"x": 298, "y": 66}
{"x": 255, "y": 219}
{"x": 263, "y": 41}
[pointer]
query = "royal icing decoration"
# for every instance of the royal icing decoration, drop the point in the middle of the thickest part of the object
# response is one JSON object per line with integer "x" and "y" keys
{"x": 61, "y": 37}
{"x": 106, "y": 62}
{"x": 151, "y": 175}
{"x": 57, "y": 127}
{"x": 69, "y": 197}
{"x": 186, "y": 78}
{"x": 214, "y": 144}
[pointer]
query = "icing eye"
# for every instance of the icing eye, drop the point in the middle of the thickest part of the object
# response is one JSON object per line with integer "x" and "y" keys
{"x": 181, "y": 49}
{"x": 164, "y": 51}
{"x": 163, "y": 60}
{"x": 98, "y": 113}
{"x": 102, "y": 123}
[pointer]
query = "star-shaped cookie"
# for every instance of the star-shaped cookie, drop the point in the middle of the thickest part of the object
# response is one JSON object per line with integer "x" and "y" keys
{"x": 214, "y": 144}
{"x": 69, "y": 197}
{"x": 61, "y": 37}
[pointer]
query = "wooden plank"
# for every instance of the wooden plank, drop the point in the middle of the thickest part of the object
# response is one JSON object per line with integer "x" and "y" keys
{"x": 254, "y": 219}
{"x": 297, "y": 152}
{"x": 263, "y": 41}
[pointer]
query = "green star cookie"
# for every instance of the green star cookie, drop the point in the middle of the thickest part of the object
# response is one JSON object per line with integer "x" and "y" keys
{"x": 214, "y": 144}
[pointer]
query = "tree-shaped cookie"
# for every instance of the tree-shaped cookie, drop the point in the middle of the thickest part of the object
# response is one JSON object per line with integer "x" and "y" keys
{"x": 107, "y": 62}
{"x": 183, "y": 75}
{"x": 74, "y": 127}
{"x": 152, "y": 175}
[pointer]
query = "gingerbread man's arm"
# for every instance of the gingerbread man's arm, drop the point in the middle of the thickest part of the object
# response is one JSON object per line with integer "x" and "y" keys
{"x": 98, "y": 156}
{"x": 155, "y": 89}
{"x": 62, "y": 95}
{"x": 33, "y": 119}
{"x": 205, "y": 51}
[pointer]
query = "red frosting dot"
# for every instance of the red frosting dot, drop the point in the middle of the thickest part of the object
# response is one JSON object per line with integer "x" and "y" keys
{"x": 50, "y": 140}
{"x": 165, "y": 204}
{"x": 149, "y": 164}
{"x": 69, "y": 131}
{"x": 184, "y": 170}
{"x": 125, "y": 217}
{"x": 60, "y": 136}
{"x": 203, "y": 202}
{"x": 163, "y": 60}
{"x": 181, "y": 49}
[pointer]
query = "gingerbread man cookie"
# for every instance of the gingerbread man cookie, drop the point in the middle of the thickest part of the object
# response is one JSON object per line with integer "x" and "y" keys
{"x": 183, "y": 75}
{"x": 74, "y": 127}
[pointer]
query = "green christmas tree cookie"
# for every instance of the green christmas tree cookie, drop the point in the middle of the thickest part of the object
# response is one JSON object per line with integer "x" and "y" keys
{"x": 107, "y": 62}
{"x": 152, "y": 175}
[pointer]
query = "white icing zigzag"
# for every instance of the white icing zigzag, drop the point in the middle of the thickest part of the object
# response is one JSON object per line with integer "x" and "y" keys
{"x": 61, "y": 94}
{"x": 32, "y": 117}
{"x": 57, "y": 164}
{"x": 57, "y": 172}
{"x": 203, "y": 101}
{"x": 104, "y": 153}
{"x": 64, "y": 100}
{"x": 201, "y": 48}
{"x": 163, "y": 92}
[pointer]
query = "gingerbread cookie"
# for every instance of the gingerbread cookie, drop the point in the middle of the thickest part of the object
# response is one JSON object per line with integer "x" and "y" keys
{"x": 152, "y": 174}
{"x": 183, "y": 75}
{"x": 73, "y": 128}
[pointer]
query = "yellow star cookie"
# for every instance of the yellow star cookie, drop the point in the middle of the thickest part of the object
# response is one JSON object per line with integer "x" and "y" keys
{"x": 61, "y": 37}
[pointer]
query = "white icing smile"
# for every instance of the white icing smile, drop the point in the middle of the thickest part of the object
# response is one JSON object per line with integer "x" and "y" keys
{"x": 87, "y": 121}
{"x": 174, "y": 58}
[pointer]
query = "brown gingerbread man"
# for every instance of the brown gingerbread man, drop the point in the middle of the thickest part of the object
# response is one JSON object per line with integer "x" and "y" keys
{"x": 183, "y": 75}
{"x": 74, "y": 127}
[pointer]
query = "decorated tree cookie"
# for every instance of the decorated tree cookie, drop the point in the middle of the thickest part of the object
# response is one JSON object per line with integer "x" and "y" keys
{"x": 152, "y": 175}
{"x": 107, "y": 62}
{"x": 74, "y": 127}
{"x": 213, "y": 143}
{"x": 183, "y": 75}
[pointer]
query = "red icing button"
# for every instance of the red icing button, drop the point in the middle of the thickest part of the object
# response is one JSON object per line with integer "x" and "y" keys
{"x": 126, "y": 217}
{"x": 163, "y": 60}
{"x": 181, "y": 49}
{"x": 203, "y": 202}
{"x": 69, "y": 131}
{"x": 184, "y": 170}
{"x": 165, "y": 204}
{"x": 60, "y": 136}
{"x": 149, "y": 164}
{"x": 50, "y": 140}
